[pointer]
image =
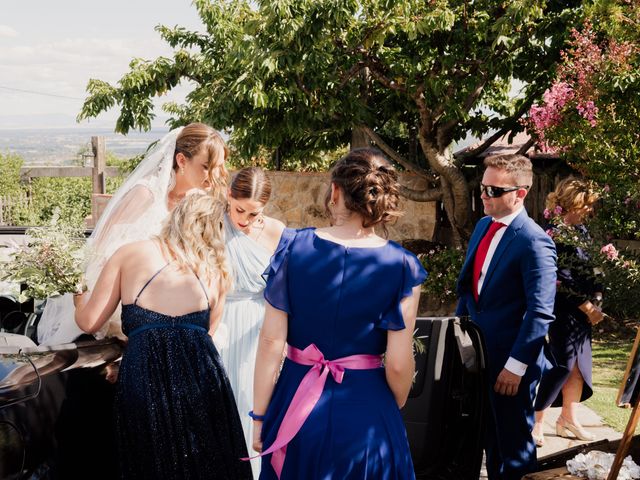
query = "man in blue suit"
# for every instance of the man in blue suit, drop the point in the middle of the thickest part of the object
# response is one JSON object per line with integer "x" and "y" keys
{"x": 507, "y": 285}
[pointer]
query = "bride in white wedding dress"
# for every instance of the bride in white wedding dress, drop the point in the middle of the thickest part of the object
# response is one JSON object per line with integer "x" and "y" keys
{"x": 187, "y": 158}
{"x": 251, "y": 239}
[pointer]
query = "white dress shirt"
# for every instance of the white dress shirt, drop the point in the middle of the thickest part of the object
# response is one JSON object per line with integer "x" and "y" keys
{"x": 514, "y": 366}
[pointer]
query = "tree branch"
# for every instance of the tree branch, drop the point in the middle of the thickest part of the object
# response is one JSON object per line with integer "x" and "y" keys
{"x": 374, "y": 68}
{"x": 523, "y": 149}
{"x": 395, "y": 156}
{"x": 353, "y": 71}
{"x": 425, "y": 115}
{"x": 472, "y": 152}
{"x": 444, "y": 133}
{"x": 302, "y": 86}
{"x": 428, "y": 195}
{"x": 508, "y": 126}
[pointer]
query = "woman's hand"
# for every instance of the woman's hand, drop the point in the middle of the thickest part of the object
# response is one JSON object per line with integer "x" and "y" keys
{"x": 594, "y": 314}
{"x": 257, "y": 431}
{"x": 111, "y": 372}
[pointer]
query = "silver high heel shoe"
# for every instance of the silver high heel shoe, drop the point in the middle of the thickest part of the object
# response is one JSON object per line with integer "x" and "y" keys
{"x": 579, "y": 432}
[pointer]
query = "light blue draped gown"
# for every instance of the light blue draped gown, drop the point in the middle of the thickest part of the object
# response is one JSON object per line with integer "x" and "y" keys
{"x": 242, "y": 320}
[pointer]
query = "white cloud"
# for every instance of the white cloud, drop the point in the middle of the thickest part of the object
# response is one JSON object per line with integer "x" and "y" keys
{"x": 7, "y": 32}
{"x": 64, "y": 67}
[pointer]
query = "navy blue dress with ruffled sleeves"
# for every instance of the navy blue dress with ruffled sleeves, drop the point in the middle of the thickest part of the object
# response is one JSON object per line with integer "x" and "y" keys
{"x": 342, "y": 299}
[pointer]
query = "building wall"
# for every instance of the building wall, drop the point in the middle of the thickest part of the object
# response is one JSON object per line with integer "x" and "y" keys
{"x": 297, "y": 199}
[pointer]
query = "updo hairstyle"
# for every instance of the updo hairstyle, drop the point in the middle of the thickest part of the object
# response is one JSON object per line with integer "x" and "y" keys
{"x": 370, "y": 187}
{"x": 572, "y": 194}
{"x": 197, "y": 137}
{"x": 251, "y": 183}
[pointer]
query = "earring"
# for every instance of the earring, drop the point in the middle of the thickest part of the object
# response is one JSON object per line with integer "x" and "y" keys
{"x": 332, "y": 203}
{"x": 181, "y": 170}
{"x": 172, "y": 180}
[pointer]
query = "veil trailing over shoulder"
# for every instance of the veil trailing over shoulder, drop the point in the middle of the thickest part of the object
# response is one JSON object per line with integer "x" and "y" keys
{"x": 135, "y": 212}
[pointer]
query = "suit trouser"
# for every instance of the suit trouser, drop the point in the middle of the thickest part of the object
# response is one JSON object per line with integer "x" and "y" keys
{"x": 510, "y": 450}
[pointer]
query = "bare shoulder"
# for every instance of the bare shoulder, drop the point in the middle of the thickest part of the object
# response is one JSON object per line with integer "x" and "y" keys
{"x": 273, "y": 226}
{"x": 133, "y": 249}
{"x": 273, "y": 229}
{"x": 139, "y": 194}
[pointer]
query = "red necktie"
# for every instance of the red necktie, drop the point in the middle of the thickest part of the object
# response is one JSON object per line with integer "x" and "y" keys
{"x": 481, "y": 254}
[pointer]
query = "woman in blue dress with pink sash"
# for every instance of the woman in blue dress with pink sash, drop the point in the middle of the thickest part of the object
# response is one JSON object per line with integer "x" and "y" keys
{"x": 339, "y": 298}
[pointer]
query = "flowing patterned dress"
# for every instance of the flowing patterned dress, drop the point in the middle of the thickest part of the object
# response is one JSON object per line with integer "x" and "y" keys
{"x": 570, "y": 334}
{"x": 237, "y": 339}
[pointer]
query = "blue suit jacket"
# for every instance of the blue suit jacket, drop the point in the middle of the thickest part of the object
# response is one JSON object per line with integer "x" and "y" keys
{"x": 515, "y": 305}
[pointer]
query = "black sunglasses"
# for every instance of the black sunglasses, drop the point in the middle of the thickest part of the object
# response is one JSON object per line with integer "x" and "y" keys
{"x": 495, "y": 192}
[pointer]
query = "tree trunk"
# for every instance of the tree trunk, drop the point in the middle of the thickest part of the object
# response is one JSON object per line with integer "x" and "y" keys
{"x": 455, "y": 190}
{"x": 359, "y": 138}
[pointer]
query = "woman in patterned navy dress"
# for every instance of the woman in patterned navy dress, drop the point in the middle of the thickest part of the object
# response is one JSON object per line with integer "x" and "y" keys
{"x": 567, "y": 381}
{"x": 339, "y": 297}
{"x": 175, "y": 413}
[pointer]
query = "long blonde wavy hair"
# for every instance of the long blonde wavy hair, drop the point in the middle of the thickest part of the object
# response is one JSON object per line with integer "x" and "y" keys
{"x": 193, "y": 236}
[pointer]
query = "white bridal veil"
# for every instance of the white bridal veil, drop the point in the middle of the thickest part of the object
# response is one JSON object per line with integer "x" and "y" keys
{"x": 135, "y": 212}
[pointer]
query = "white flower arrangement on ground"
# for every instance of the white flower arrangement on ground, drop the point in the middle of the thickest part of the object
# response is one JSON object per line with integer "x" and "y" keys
{"x": 50, "y": 263}
{"x": 595, "y": 465}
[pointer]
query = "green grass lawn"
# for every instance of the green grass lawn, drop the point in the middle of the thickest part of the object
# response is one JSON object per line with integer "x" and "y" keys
{"x": 610, "y": 355}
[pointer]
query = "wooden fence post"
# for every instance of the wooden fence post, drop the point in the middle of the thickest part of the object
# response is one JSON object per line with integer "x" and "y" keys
{"x": 99, "y": 164}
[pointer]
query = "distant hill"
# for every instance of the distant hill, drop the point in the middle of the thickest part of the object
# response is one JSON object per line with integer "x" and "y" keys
{"x": 60, "y": 145}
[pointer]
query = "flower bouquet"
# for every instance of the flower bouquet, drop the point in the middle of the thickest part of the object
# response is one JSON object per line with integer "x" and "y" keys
{"x": 50, "y": 263}
{"x": 618, "y": 273}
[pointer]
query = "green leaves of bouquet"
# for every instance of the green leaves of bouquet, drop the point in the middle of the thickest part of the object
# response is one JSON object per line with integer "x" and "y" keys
{"x": 50, "y": 263}
{"x": 618, "y": 273}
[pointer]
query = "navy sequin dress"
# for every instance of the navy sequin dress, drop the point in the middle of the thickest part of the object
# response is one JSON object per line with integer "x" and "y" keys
{"x": 176, "y": 417}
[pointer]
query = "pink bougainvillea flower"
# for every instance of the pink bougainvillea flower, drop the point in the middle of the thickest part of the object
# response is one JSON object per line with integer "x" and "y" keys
{"x": 610, "y": 251}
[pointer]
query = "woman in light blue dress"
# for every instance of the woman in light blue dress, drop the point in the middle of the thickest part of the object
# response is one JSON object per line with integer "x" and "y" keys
{"x": 251, "y": 239}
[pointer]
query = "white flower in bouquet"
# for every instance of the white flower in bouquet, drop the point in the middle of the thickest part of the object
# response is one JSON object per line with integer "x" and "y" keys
{"x": 50, "y": 263}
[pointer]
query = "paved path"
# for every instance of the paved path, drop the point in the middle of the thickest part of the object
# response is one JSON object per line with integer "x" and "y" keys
{"x": 554, "y": 444}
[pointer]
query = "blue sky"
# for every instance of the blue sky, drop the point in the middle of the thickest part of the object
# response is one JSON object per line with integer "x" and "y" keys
{"x": 55, "y": 47}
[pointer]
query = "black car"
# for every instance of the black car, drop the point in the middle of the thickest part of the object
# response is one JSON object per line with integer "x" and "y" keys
{"x": 55, "y": 404}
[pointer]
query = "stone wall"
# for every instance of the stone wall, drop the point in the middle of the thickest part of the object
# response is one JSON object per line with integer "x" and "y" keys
{"x": 297, "y": 199}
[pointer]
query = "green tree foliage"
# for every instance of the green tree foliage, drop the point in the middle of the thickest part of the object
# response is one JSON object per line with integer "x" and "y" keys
{"x": 297, "y": 77}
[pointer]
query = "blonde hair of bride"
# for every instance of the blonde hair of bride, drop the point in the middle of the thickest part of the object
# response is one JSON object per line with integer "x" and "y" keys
{"x": 193, "y": 236}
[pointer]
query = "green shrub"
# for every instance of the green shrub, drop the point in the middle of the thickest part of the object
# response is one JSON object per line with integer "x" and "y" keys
{"x": 443, "y": 265}
{"x": 10, "y": 165}
{"x": 34, "y": 204}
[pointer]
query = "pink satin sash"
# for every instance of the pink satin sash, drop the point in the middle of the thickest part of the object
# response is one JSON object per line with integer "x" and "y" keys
{"x": 309, "y": 392}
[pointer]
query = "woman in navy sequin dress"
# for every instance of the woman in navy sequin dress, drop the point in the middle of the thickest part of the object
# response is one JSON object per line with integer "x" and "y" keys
{"x": 176, "y": 417}
{"x": 339, "y": 297}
